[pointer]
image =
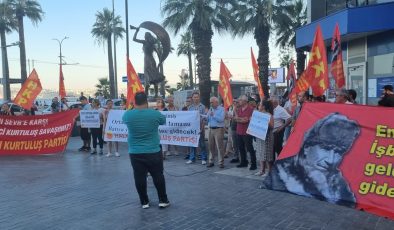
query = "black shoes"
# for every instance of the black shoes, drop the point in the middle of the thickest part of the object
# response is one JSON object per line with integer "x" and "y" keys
{"x": 253, "y": 167}
{"x": 210, "y": 165}
{"x": 242, "y": 165}
{"x": 234, "y": 161}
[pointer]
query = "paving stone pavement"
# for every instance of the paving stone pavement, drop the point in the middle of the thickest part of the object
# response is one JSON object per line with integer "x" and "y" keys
{"x": 77, "y": 191}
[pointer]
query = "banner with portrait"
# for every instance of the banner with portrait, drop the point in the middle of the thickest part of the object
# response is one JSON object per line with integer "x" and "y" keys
{"x": 343, "y": 154}
{"x": 42, "y": 134}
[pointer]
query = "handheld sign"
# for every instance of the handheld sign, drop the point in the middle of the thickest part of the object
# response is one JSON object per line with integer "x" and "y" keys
{"x": 90, "y": 118}
{"x": 258, "y": 125}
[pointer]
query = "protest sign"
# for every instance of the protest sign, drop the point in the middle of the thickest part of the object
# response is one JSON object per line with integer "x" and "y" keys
{"x": 181, "y": 128}
{"x": 89, "y": 118}
{"x": 115, "y": 129}
{"x": 341, "y": 154}
{"x": 258, "y": 125}
{"x": 45, "y": 134}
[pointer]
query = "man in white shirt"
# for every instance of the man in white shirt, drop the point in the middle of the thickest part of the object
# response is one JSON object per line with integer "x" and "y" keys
{"x": 281, "y": 120}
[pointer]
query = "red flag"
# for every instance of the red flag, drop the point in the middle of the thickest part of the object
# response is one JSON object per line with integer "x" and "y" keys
{"x": 224, "y": 87}
{"x": 29, "y": 91}
{"x": 62, "y": 89}
{"x": 291, "y": 75}
{"x": 256, "y": 74}
{"x": 133, "y": 83}
{"x": 317, "y": 70}
{"x": 337, "y": 61}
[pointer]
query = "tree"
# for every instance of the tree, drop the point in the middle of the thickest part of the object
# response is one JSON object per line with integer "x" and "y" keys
{"x": 290, "y": 15}
{"x": 186, "y": 47}
{"x": 7, "y": 24}
{"x": 32, "y": 10}
{"x": 255, "y": 16}
{"x": 105, "y": 26}
{"x": 201, "y": 17}
{"x": 103, "y": 88}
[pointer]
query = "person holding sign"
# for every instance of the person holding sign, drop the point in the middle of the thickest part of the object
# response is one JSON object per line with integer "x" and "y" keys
{"x": 110, "y": 105}
{"x": 266, "y": 147}
{"x": 97, "y": 133}
{"x": 144, "y": 148}
{"x": 215, "y": 118}
{"x": 85, "y": 135}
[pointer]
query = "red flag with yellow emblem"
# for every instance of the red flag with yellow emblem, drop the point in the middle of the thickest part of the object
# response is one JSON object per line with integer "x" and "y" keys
{"x": 133, "y": 83}
{"x": 29, "y": 91}
{"x": 224, "y": 87}
{"x": 256, "y": 74}
{"x": 317, "y": 70}
{"x": 337, "y": 60}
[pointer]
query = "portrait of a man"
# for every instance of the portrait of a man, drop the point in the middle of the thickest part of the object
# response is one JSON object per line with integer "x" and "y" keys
{"x": 314, "y": 171}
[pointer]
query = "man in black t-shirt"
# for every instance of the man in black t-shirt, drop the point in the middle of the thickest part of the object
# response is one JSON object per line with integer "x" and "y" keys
{"x": 387, "y": 97}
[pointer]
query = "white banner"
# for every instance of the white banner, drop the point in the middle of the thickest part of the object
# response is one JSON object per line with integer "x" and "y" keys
{"x": 115, "y": 129}
{"x": 258, "y": 125}
{"x": 89, "y": 118}
{"x": 182, "y": 128}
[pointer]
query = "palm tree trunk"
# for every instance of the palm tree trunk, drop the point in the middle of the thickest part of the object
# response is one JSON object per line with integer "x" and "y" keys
{"x": 22, "y": 48}
{"x": 156, "y": 87}
{"x": 111, "y": 68}
{"x": 203, "y": 44}
{"x": 262, "y": 38}
{"x": 300, "y": 62}
{"x": 6, "y": 72}
{"x": 163, "y": 83}
{"x": 189, "y": 55}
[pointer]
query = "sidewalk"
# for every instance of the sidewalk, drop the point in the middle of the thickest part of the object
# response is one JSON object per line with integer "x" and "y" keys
{"x": 77, "y": 191}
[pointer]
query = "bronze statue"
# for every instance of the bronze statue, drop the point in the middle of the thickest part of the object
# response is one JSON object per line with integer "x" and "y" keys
{"x": 161, "y": 45}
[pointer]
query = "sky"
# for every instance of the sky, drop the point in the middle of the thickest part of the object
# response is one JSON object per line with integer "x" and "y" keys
{"x": 75, "y": 18}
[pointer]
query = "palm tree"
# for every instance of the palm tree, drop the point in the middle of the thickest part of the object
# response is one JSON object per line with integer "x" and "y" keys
{"x": 255, "y": 16}
{"x": 32, "y": 10}
{"x": 7, "y": 24}
{"x": 105, "y": 26}
{"x": 201, "y": 17}
{"x": 186, "y": 47}
{"x": 103, "y": 88}
{"x": 289, "y": 16}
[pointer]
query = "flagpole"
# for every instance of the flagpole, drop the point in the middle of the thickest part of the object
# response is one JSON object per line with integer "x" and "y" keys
{"x": 127, "y": 28}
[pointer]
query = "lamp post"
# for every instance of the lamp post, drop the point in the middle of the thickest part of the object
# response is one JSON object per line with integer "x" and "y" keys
{"x": 61, "y": 83}
{"x": 6, "y": 73}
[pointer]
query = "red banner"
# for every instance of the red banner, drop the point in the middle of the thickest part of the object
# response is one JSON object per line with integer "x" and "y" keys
{"x": 33, "y": 135}
{"x": 341, "y": 154}
{"x": 224, "y": 87}
{"x": 29, "y": 91}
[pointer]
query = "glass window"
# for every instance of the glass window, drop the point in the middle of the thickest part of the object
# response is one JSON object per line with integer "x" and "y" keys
{"x": 370, "y": 2}
{"x": 335, "y": 5}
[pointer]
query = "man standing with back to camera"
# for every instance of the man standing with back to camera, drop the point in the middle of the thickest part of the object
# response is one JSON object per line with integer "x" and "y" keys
{"x": 144, "y": 148}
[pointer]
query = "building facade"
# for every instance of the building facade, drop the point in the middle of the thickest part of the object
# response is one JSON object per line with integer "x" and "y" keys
{"x": 367, "y": 36}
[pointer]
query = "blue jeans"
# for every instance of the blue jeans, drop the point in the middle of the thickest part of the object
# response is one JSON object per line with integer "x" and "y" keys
{"x": 203, "y": 150}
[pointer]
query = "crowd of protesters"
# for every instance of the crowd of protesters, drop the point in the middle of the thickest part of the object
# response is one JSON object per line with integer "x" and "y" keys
{"x": 245, "y": 149}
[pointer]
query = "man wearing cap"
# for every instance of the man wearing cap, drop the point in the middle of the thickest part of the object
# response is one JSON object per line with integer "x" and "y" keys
{"x": 387, "y": 99}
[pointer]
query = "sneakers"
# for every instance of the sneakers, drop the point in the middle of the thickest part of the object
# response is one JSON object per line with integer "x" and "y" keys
{"x": 168, "y": 153}
{"x": 253, "y": 167}
{"x": 242, "y": 166}
{"x": 93, "y": 152}
{"x": 210, "y": 165}
{"x": 82, "y": 149}
{"x": 145, "y": 206}
{"x": 108, "y": 154}
{"x": 117, "y": 154}
{"x": 164, "y": 204}
{"x": 258, "y": 173}
{"x": 189, "y": 162}
{"x": 203, "y": 162}
{"x": 101, "y": 152}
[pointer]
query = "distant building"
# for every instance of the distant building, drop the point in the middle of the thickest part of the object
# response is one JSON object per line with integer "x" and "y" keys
{"x": 367, "y": 36}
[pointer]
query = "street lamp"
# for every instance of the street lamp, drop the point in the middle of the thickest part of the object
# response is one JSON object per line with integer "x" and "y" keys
{"x": 60, "y": 48}
{"x": 61, "y": 80}
{"x": 6, "y": 73}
